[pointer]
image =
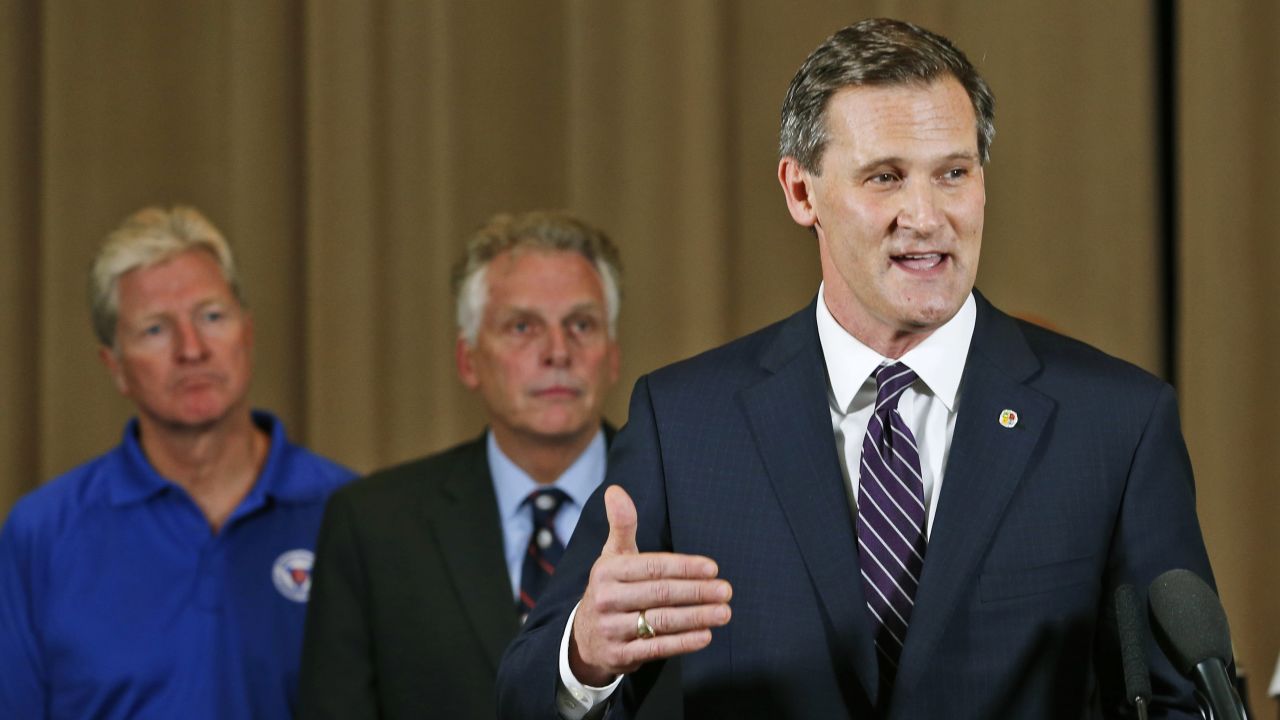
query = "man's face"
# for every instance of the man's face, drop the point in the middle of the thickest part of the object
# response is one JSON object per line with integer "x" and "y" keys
{"x": 183, "y": 343}
{"x": 898, "y": 208}
{"x": 543, "y": 359}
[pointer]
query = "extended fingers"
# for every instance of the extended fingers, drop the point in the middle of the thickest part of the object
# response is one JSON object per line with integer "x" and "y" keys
{"x": 633, "y": 654}
{"x": 680, "y": 595}
{"x": 649, "y": 594}
{"x": 677, "y": 620}
{"x": 653, "y": 566}
{"x": 625, "y": 657}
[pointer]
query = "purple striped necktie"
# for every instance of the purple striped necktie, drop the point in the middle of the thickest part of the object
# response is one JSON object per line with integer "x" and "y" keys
{"x": 891, "y": 518}
{"x": 544, "y": 548}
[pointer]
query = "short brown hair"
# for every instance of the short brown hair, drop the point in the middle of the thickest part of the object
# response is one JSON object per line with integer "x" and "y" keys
{"x": 876, "y": 51}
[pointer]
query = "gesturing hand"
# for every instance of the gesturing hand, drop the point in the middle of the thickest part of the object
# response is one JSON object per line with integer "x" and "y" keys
{"x": 680, "y": 596}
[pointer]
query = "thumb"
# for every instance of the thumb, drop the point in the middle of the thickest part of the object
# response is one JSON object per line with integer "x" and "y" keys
{"x": 621, "y": 512}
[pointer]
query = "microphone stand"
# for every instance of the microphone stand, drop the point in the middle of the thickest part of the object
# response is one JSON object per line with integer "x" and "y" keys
{"x": 1214, "y": 690}
{"x": 1140, "y": 703}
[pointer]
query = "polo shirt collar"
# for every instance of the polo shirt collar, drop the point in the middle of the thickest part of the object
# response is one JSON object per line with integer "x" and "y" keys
{"x": 275, "y": 481}
{"x": 849, "y": 362}
{"x": 136, "y": 480}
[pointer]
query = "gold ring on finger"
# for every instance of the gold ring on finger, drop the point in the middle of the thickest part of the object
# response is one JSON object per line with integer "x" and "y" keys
{"x": 644, "y": 630}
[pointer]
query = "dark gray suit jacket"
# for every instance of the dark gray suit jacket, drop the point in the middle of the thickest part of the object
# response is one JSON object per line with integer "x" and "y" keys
{"x": 731, "y": 455}
{"x": 411, "y": 603}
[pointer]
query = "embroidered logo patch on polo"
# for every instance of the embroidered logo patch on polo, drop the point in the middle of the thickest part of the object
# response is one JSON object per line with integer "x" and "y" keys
{"x": 292, "y": 574}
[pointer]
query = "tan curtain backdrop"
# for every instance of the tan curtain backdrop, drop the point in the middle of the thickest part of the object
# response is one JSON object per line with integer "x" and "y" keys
{"x": 1230, "y": 315}
{"x": 347, "y": 148}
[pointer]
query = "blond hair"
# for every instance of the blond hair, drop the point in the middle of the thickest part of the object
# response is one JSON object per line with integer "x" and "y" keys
{"x": 149, "y": 237}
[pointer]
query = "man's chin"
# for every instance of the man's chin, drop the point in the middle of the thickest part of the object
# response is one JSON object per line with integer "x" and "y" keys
{"x": 195, "y": 418}
{"x": 563, "y": 431}
{"x": 933, "y": 314}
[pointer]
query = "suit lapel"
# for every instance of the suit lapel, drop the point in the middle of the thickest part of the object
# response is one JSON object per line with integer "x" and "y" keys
{"x": 791, "y": 423}
{"x": 986, "y": 462}
{"x": 464, "y": 520}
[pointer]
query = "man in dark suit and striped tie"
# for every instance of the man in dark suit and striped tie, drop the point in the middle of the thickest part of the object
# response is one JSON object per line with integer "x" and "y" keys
{"x": 425, "y": 571}
{"x": 897, "y": 503}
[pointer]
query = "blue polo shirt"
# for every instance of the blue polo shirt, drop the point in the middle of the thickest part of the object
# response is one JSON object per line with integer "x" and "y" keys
{"x": 117, "y": 600}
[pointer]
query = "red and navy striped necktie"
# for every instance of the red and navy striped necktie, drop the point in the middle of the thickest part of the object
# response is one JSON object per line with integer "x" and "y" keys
{"x": 544, "y": 549}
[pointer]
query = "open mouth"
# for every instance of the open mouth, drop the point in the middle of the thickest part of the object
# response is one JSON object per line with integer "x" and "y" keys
{"x": 919, "y": 262}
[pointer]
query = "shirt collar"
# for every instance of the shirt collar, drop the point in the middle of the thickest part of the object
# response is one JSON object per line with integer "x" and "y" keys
{"x": 512, "y": 485}
{"x": 275, "y": 481}
{"x": 850, "y": 362}
{"x": 137, "y": 480}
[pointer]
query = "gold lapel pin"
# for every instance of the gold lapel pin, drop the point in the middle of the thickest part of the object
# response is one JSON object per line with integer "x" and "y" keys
{"x": 1008, "y": 418}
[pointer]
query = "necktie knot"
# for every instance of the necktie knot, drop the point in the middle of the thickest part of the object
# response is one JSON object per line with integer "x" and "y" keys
{"x": 891, "y": 381}
{"x": 545, "y": 503}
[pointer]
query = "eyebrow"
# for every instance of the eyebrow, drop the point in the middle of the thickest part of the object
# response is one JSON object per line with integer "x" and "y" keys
{"x": 588, "y": 306}
{"x": 199, "y": 305}
{"x": 895, "y": 160}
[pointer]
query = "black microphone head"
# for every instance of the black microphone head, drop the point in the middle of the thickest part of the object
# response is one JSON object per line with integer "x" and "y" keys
{"x": 1188, "y": 620}
{"x": 1133, "y": 652}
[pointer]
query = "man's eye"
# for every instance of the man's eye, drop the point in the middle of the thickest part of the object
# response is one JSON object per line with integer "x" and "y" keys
{"x": 583, "y": 325}
{"x": 214, "y": 315}
{"x": 956, "y": 173}
{"x": 520, "y": 327}
{"x": 884, "y": 178}
{"x": 152, "y": 330}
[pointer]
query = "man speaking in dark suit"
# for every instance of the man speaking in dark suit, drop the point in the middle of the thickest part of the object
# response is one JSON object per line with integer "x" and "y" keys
{"x": 899, "y": 502}
{"x": 425, "y": 571}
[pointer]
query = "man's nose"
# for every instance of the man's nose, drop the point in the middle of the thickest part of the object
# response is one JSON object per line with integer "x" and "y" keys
{"x": 556, "y": 348}
{"x": 921, "y": 211}
{"x": 191, "y": 345}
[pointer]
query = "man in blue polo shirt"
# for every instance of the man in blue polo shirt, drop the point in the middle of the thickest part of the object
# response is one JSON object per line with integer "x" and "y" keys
{"x": 169, "y": 577}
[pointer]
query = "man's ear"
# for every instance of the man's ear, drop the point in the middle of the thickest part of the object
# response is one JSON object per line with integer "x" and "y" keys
{"x": 466, "y": 368}
{"x": 112, "y": 363}
{"x": 797, "y": 188}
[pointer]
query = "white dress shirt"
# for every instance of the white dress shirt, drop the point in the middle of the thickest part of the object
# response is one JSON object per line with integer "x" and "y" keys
{"x": 929, "y": 407}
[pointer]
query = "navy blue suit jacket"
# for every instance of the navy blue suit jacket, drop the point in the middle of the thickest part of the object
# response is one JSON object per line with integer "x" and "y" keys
{"x": 731, "y": 455}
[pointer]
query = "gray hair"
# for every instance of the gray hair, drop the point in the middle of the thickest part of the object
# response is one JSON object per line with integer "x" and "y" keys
{"x": 537, "y": 230}
{"x": 149, "y": 237}
{"x": 874, "y": 52}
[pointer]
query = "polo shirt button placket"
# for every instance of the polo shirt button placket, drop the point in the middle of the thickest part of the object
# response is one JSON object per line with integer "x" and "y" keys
{"x": 209, "y": 575}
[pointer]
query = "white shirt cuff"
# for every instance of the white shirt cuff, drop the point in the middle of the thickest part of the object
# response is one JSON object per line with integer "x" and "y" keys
{"x": 573, "y": 699}
{"x": 1273, "y": 691}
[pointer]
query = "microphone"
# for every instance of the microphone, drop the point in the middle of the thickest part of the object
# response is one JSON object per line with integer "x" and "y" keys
{"x": 1191, "y": 627}
{"x": 1133, "y": 655}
